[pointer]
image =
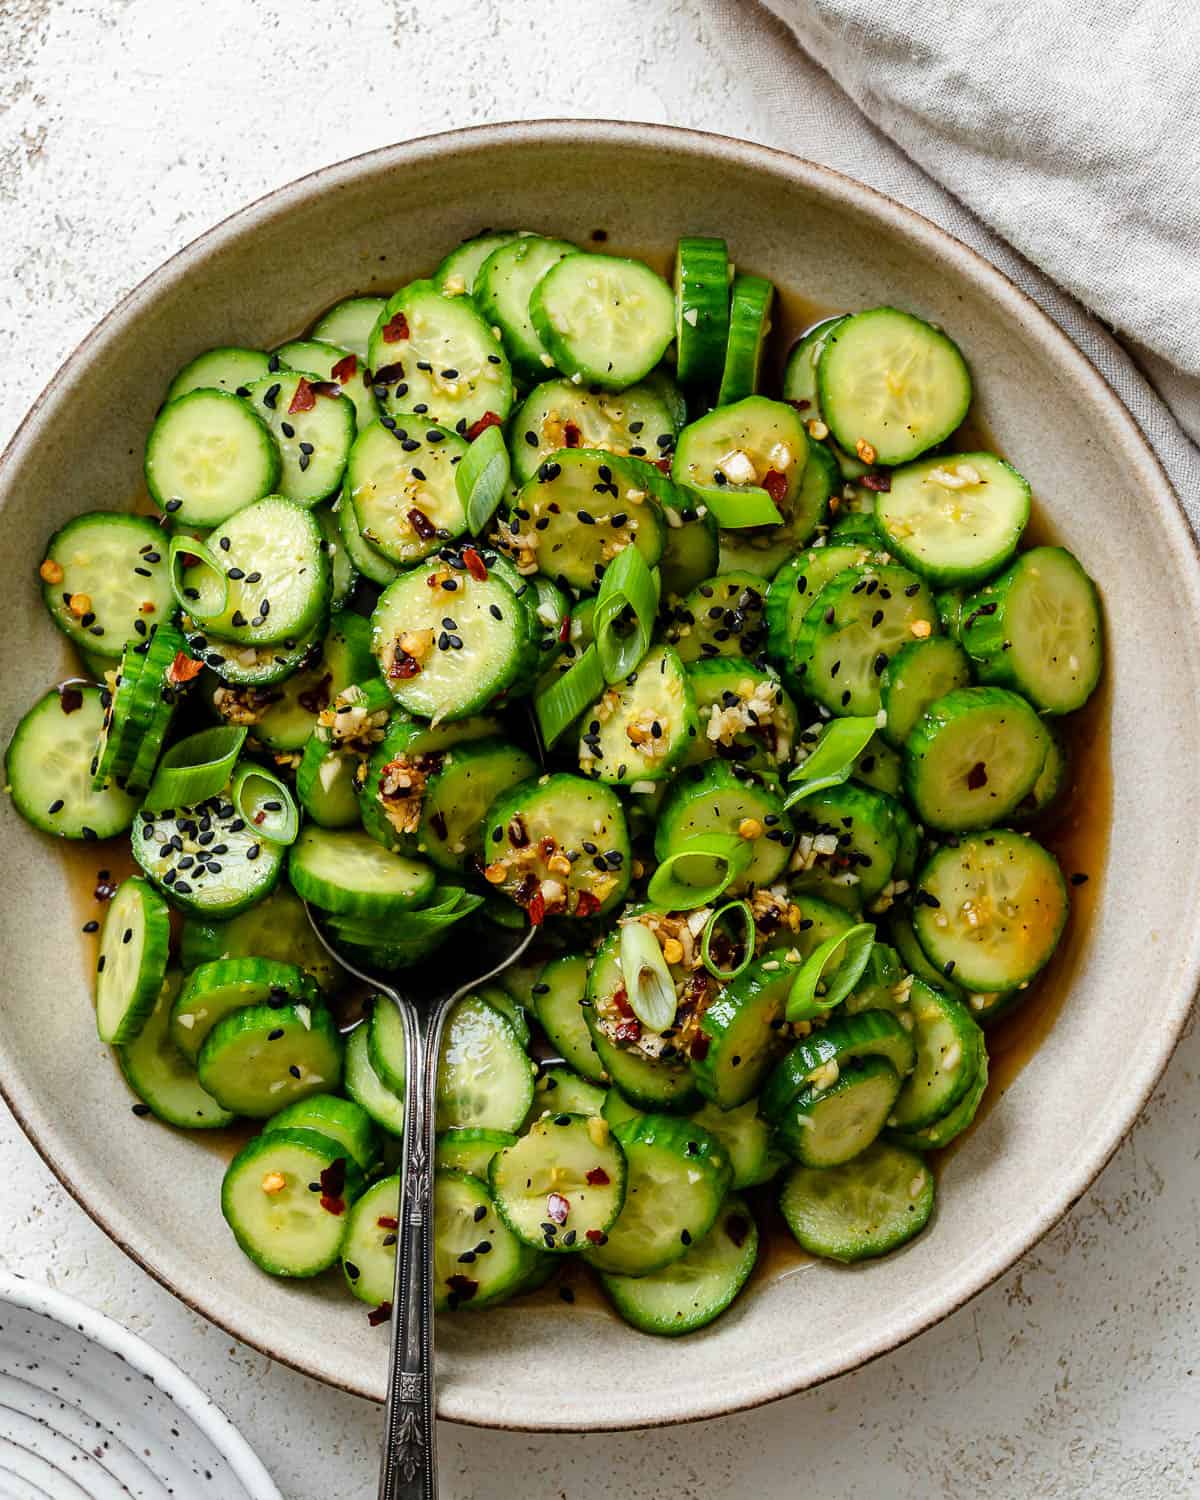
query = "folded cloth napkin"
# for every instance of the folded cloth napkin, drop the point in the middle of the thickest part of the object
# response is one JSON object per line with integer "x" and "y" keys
{"x": 1058, "y": 140}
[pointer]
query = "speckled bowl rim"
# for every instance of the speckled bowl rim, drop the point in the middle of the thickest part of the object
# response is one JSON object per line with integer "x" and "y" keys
{"x": 1122, "y": 1112}
{"x": 81, "y": 1321}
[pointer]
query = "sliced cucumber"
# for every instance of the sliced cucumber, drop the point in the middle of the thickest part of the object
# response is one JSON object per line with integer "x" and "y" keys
{"x": 934, "y": 1137}
{"x": 956, "y": 519}
{"x": 755, "y": 443}
{"x": 919, "y": 674}
{"x": 458, "y": 795}
{"x": 751, "y": 300}
{"x": 504, "y": 285}
{"x": 477, "y": 1261}
{"x": 873, "y": 1204}
{"x": 846, "y": 835}
{"x": 691, "y": 551}
{"x": 797, "y": 584}
{"x": 558, "y": 1088}
{"x": 386, "y": 1045}
{"x": 371, "y": 564}
{"x": 215, "y": 990}
{"x": 134, "y": 944}
{"x": 369, "y": 1245}
{"x": 330, "y": 363}
{"x": 343, "y": 1121}
{"x": 277, "y": 927}
{"x": 105, "y": 578}
{"x": 241, "y": 666}
{"x": 349, "y": 324}
{"x": 162, "y": 1077}
{"x": 702, "y": 277}
{"x": 826, "y": 1127}
{"x": 745, "y": 715}
{"x": 950, "y": 1053}
{"x": 558, "y": 997}
{"x": 561, "y": 1187}
{"x": 800, "y": 373}
{"x": 820, "y": 1058}
{"x": 746, "y": 1138}
{"x": 349, "y": 873}
{"x": 457, "y": 273}
{"x": 716, "y": 798}
{"x": 467, "y": 1149}
{"x": 258, "y": 1059}
{"x": 764, "y": 549}
{"x": 724, "y": 616}
{"x": 313, "y": 424}
{"x": 208, "y": 455}
{"x": 224, "y": 369}
{"x": 326, "y": 787}
{"x": 642, "y": 728}
{"x": 607, "y": 320}
{"x": 485, "y": 1080}
{"x": 401, "y": 482}
{"x": 368, "y": 1090}
{"x": 740, "y": 1030}
{"x": 559, "y": 414}
{"x": 205, "y": 858}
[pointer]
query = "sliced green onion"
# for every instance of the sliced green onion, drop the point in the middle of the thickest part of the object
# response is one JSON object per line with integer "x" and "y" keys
{"x": 558, "y": 706}
{"x": 742, "y": 909}
{"x": 830, "y": 972}
{"x": 265, "y": 803}
{"x": 735, "y": 509}
{"x": 842, "y": 742}
{"x": 648, "y": 983}
{"x": 481, "y": 477}
{"x": 628, "y": 584}
{"x": 203, "y": 590}
{"x": 699, "y": 870}
{"x": 196, "y": 768}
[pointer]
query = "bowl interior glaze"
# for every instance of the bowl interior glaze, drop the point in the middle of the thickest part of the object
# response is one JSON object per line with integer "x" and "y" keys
{"x": 364, "y": 225}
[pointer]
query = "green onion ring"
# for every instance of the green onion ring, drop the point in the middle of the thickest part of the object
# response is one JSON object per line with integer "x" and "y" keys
{"x": 673, "y": 893}
{"x": 265, "y": 803}
{"x": 649, "y": 986}
{"x": 195, "y": 768}
{"x": 832, "y": 760}
{"x": 849, "y": 951}
{"x": 481, "y": 477}
{"x": 736, "y": 509}
{"x": 742, "y": 907}
{"x": 210, "y": 587}
{"x": 559, "y": 705}
{"x": 628, "y": 583}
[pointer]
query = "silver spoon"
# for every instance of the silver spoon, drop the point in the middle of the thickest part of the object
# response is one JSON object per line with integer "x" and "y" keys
{"x": 408, "y": 1470}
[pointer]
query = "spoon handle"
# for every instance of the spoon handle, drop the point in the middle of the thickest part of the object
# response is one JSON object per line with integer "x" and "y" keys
{"x": 409, "y": 1468}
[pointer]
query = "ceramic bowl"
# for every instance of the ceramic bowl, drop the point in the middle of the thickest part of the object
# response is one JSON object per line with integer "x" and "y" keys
{"x": 371, "y": 223}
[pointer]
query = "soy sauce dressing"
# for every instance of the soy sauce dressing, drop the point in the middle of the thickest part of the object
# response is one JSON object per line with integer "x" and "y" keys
{"x": 1077, "y": 833}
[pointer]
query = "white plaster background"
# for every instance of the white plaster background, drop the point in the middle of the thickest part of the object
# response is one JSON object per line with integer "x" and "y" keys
{"x": 126, "y": 128}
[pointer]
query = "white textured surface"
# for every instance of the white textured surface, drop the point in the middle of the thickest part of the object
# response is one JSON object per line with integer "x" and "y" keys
{"x": 128, "y": 127}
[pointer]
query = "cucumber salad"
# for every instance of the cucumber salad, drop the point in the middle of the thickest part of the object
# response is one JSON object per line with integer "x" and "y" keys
{"x": 530, "y": 594}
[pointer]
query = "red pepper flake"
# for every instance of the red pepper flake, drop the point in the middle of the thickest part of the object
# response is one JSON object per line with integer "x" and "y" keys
{"x": 105, "y": 889}
{"x": 69, "y": 699}
{"x": 489, "y": 419}
{"x": 395, "y": 329}
{"x": 537, "y": 908}
{"x": 699, "y": 1048}
{"x": 475, "y": 564}
{"x": 564, "y": 630}
{"x": 737, "y": 1228}
{"x": 389, "y": 374}
{"x": 977, "y": 776}
{"x": 572, "y": 436}
{"x": 462, "y": 1287}
{"x": 304, "y": 399}
{"x": 183, "y": 669}
{"x": 345, "y": 369}
{"x": 317, "y": 697}
{"x": 335, "y": 1206}
{"x": 403, "y": 666}
{"x": 546, "y": 847}
{"x": 421, "y": 524}
{"x": 663, "y": 465}
{"x": 587, "y": 904}
{"x": 379, "y": 1314}
{"x": 387, "y": 1222}
{"x": 598, "y": 1177}
{"x": 518, "y": 835}
{"x": 259, "y": 817}
{"x": 800, "y": 405}
{"x": 333, "y": 1178}
{"x": 880, "y": 483}
{"x": 326, "y": 388}
{"x": 621, "y": 1001}
{"x": 629, "y": 1031}
{"x": 557, "y": 1208}
{"x": 775, "y": 485}
{"x": 595, "y": 1236}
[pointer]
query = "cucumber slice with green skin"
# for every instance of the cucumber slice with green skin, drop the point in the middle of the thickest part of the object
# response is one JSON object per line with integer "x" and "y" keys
{"x": 215, "y": 990}
{"x": 950, "y": 611}
{"x": 218, "y": 877}
{"x": 400, "y": 480}
{"x": 500, "y": 999}
{"x": 462, "y": 1149}
{"x": 847, "y": 830}
{"x": 827, "y": 1127}
{"x": 349, "y": 873}
{"x": 744, "y": 715}
{"x": 477, "y": 1261}
{"x": 558, "y": 997}
{"x": 605, "y": 319}
{"x": 368, "y": 1090}
{"x": 285, "y": 1227}
{"x": 581, "y": 508}
{"x": 881, "y": 767}
{"x": 617, "y": 1109}
{"x": 456, "y": 275}
{"x": 371, "y": 564}
{"x": 973, "y": 757}
{"x": 325, "y": 785}
{"x": 313, "y": 425}
{"x": 48, "y": 766}
{"x": 724, "y": 616}
{"x": 797, "y": 584}
{"x": 691, "y": 552}
{"x": 892, "y": 381}
{"x": 702, "y": 277}
{"x": 208, "y": 455}
{"x": 800, "y": 373}
{"x": 765, "y": 549}
{"x": 160, "y": 1075}
{"x": 385, "y": 1044}
{"x": 1052, "y": 781}
{"x": 989, "y": 911}
{"x": 343, "y": 1121}
{"x": 751, "y": 301}
{"x": 872, "y": 1205}
{"x": 498, "y": 643}
{"x": 559, "y": 1088}
{"x": 883, "y": 985}
{"x": 369, "y": 1247}
{"x": 225, "y": 369}
{"x": 952, "y": 1124}
{"x": 917, "y": 676}
{"x": 562, "y": 1186}
{"x": 1037, "y": 629}
{"x": 485, "y": 1080}
{"x": 739, "y": 446}
{"x": 559, "y": 414}
{"x": 459, "y": 794}
{"x": 717, "y": 799}
{"x": 663, "y": 1082}
{"x": 343, "y": 575}
{"x": 900, "y": 929}
{"x": 155, "y": 697}
{"x": 853, "y": 628}
{"x": 117, "y": 744}
{"x": 677, "y": 1178}
{"x": 956, "y": 519}
{"x": 134, "y": 945}
{"x": 110, "y": 565}
{"x": 275, "y": 555}
{"x": 436, "y": 356}
{"x": 745, "y": 1137}
{"x": 277, "y": 927}
{"x": 644, "y": 726}
{"x": 257, "y": 1060}
{"x": 389, "y": 810}
{"x": 741, "y": 1029}
{"x": 349, "y": 324}
{"x": 819, "y": 1059}
{"x": 549, "y": 819}
{"x": 696, "y": 1289}
{"x": 255, "y": 666}
{"x": 328, "y": 362}
{"x": 504, "y": 285}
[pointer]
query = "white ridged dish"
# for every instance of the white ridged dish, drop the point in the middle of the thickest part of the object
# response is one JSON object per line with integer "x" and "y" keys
{"x": 90, "y": 1412}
